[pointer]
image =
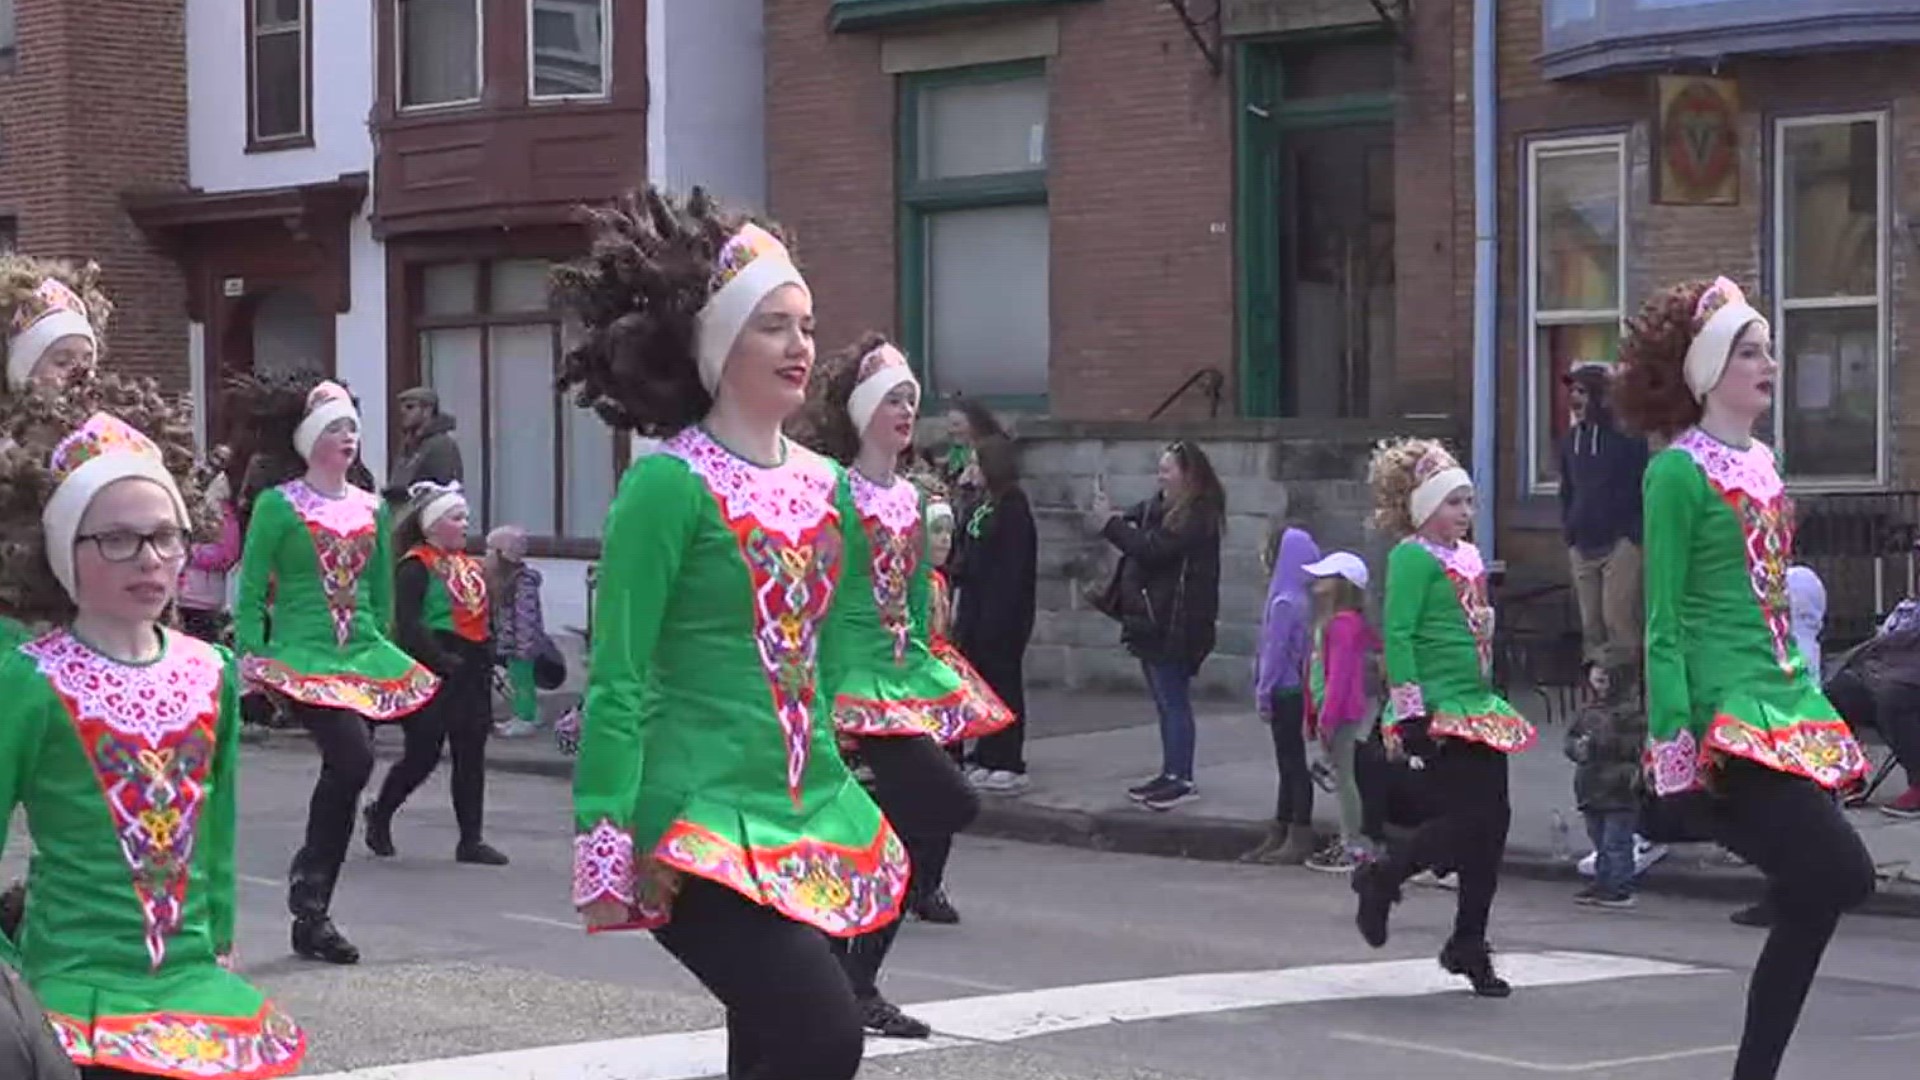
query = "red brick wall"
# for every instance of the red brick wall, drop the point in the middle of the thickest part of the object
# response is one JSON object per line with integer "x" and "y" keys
{"x": 97, "y": 106}
{"x": 1141, "y": 173}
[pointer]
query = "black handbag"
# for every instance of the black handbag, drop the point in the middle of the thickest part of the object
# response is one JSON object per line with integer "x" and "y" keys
{"x": 549, "y": 667}
{"x": 1109, "y": 600}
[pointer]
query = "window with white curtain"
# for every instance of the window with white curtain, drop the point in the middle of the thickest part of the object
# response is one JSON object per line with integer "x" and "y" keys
{"x": 1576, "y": 239}
{"x": 439, "y": 52}
{"x": 491, "y": 346}
{"x": 1830, "y": 283}
{"x": 569, "y": 45}
{"x": 277, "y": 62}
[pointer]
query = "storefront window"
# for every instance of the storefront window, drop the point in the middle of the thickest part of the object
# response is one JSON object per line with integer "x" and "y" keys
{"x": 1830, "y": 263}
{"x": 1576, "y": 227}
{"x": 491, "y": 346}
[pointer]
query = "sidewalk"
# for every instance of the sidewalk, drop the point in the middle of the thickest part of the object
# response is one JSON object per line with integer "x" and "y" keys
{"x": 1084, "y": 750}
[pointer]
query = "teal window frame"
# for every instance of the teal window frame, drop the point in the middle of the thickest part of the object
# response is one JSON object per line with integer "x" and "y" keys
{"x": 920, "y": 199}
{"x": 850, "y": 15}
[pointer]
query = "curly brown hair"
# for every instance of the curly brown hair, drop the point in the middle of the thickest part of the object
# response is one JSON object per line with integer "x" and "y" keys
{"x": 20, "y": 275}
{"x": 637, "y": 300}
{"x": 822, "y": 425}
{"x": 1393, "y": 475}
{"x": 1651, "y": 395}
{"x": 37, "y": 420}
{"x": 269, "y": 409}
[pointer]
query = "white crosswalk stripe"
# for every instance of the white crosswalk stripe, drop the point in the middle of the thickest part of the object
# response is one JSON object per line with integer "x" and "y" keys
{"x": 1005, "y": 1018}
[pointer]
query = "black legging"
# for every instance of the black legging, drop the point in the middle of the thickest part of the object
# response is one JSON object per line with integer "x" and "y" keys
{"x": 346, "y": 763}
{"x": 458, "y": 718}
{"x": 790, "y": 1012}
{"x": 927, "y": 799}
{"x": 1467, "y": 835}
{"x": 1004, "y": 750}
{"x": 1294, "y": 806}
{"x": 1816, "y": 868}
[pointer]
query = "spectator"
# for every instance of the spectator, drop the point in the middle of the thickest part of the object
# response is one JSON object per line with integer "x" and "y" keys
{"x": 1170, "y": 601}
{"x": 519, "y": 625}
{"x": 1605, "y": 744}
{"x": 1878, "y": 686}
{"x": 203, "y": 583}
{"x": 428, "y": 451}
{"x": 995, "y": 570}
{"x": 1600, "y": 471}
{"x": 1807, "y": 605}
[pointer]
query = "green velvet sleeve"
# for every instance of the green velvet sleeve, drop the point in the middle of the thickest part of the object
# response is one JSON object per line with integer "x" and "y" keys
{"x": 380, "y": 573}
{"x": 1410, "y": 571}
{"x": 1672, "y": 494}
{"x": 271, "y": 516}
{"x": 223, "y": 811}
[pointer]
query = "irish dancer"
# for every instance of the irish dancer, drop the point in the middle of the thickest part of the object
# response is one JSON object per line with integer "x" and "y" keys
{"x": 315, "y": 601}
{"x": 441, "y": 618}
{"x": 121, "y": 742}
{"x": 900, "y": 704}
{"x": 1443, "y": 710}
{"x": 1739, "y": 728}
{"x": 711, "y": 803}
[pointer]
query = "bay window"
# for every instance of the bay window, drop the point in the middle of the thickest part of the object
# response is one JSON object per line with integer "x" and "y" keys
{"x": 567, "y": 47}
{"x": 1830, "y": 275}
{"x": 440, "y": 57}
{"x": 1575, "y": 272}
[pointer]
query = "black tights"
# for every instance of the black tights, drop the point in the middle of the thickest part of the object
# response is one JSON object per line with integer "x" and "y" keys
{"x": 1816, "y": 868}
{"x": 790, "y": 1013}
{"x": 1467, "y": 782}
{"x": 1294, "y": 805}
{"x": 458, "y": 718}
{"x": 927, "y": 799}
{"x": 346, "y": 763}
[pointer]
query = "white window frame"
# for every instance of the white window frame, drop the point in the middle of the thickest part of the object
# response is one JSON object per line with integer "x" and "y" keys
{"x": 606, "y": 60}
{"x": 1783, "y": 308}
{"x": 1534, "y": 318}
{"x": 254, "y": 34}
{"x": 400, "y": 62}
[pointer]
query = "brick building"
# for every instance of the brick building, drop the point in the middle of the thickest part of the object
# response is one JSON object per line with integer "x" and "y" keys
{"x": 92, "y": 108}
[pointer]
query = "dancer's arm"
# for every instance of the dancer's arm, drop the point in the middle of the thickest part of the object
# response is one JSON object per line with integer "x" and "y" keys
{"x": 20, "y": 734}
{"x": 380, "y": 571}
{"x": 256, "y": 573}
{"x": 1410, "y": 571}
{"x": 223, "y": 810}
{"x": 920, "y": 585}
{"x": 410, "y": 630}
{"x": 648, "y": 529}
{"x": 1672, "y": 498}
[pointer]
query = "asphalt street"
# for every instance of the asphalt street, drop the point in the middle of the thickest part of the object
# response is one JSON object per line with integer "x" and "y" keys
{"x": 1070, "y": 965}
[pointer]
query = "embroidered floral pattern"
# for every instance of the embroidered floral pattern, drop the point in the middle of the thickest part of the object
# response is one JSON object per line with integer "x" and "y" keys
{"x": 1407, "y": 701}
{"x": 1675, "y": 764}
{"x": 465, "y": 579}
{"x": 344, "y": 531}
{"x": 1822, "y": 751}
{"x": 603, "y": 865}
{"x": 965, "y": 713}
{"x": 375, "y": 699}
{"x": 843, "y": 891}
{"x": 149, "y": 734}
{"x": 187, "y": 1046}
{"x": 1748, "y": 483}
{"x": 891, "y": 518}
{"x": 1468, "y": 575}
{"x": 1503, "y": 731}
{"x": 788, "y": 530}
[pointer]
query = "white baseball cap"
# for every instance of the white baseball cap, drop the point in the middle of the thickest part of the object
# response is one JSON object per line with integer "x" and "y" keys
{"x": 1343, "y": 564}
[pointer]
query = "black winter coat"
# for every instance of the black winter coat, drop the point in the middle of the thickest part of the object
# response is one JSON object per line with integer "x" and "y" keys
{"x": 995, "y": 568}
{"x": 1169, "y": 584}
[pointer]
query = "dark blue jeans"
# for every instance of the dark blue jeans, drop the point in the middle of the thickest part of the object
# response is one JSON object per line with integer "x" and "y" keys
{"x": 1612, "y": 834}
{"x": 1171, "y": 686}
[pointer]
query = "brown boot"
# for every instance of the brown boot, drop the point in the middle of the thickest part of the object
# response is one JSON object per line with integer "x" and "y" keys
{"x": 1275, "y": 839}
{"x": 1296, "y": 851}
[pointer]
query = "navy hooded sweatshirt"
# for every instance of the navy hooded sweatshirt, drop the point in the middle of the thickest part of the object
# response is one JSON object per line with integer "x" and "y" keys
{"x": 1600, "y": 472}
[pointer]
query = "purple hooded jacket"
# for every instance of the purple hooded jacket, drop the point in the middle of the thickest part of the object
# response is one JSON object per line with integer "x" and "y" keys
{"x": 1284, "y": 641}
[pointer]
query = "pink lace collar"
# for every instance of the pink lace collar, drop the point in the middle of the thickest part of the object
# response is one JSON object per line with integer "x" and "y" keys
{"x": 1462, "y": 559}
{"x": 897, "y": 506}
{"x": 789, "y": 498}
{"x": 1730, "y": 468}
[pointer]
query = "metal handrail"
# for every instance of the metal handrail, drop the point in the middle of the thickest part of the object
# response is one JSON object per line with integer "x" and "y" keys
{"x": 1215, "y": 381}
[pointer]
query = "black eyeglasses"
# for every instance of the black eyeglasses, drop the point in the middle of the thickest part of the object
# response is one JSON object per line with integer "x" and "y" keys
{"x": 123, "y": 545}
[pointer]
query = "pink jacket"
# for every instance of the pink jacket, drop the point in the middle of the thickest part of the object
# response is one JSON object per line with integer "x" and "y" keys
{"x": 203, "y": 583}
{"x": 1346, "y": 656}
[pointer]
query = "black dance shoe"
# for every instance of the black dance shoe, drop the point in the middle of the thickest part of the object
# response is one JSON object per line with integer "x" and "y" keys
{"x": 316, "y": 938}
{"x": 380, "y": 831}
{"x": 1474, "y": 961}
{"x": 479, "y": 853}
{"x": 1378, "y": 893}
{"x": 934, "y": 907}
{"x": 884, "y": 1018}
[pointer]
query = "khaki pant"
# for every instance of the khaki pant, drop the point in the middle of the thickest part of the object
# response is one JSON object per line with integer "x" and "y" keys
{"x": 1608, "y": 589}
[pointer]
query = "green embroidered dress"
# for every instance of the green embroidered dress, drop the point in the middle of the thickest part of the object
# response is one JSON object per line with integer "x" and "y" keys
{"x": 324, "y": 568}
{"x": 1724, "y": 674}
{"x": 1439, "y": 646}
{"x": 127, "y": 773}
{"x": 704, "y": 744}
{"x": 885, "y": 679}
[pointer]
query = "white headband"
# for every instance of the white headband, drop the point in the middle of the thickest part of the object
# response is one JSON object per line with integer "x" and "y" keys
{"x": 872, "y": 390}
{"x": 61, "y": 516}
{"x": 728, "y": 310}
{"x": 1713, "y": 346}
{"x": 939, "y": 511}
{"x": 319, "y": 420}
{"x": 1434, "y": 490}
{"x": 25, "y": 348}
{"x": 441, "y": 501}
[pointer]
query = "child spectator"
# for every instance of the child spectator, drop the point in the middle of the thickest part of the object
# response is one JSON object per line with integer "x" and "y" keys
{"x": 1606, "y": 744}
{"x": 519, "y": 625}
{"x": 1278, "y": 667}
{"x": 1339, "y": 712}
